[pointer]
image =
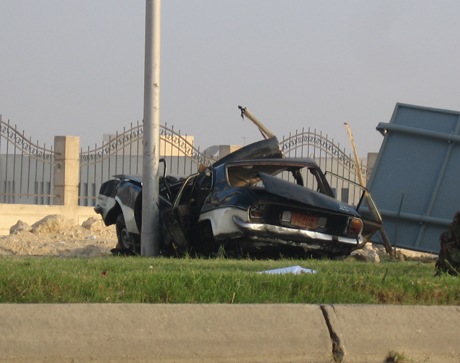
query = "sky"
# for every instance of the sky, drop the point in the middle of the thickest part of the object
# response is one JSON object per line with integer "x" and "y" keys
{"x": 76, "y": 67}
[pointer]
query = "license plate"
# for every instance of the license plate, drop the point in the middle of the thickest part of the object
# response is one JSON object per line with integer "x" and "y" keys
{"x": 304, "y": 220}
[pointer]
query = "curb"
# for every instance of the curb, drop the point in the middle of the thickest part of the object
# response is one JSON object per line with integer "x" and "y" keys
{"x": 227, "y": 333}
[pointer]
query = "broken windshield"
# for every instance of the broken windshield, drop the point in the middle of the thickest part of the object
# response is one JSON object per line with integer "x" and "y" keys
{"x": 248, "y": 175}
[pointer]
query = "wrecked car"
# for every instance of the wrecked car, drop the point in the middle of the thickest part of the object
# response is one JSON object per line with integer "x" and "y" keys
{"x": 253, "y": 200}
{"x": 120, "y": 203}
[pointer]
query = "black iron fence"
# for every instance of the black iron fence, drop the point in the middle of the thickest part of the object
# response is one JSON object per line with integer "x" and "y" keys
{"x": 332, "y": 160}
{"x": 122, "y": 153}
{"x": 26, "y": 169}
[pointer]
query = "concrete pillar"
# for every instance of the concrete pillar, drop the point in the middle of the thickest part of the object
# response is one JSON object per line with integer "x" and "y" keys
{"x": 66, "y": 170}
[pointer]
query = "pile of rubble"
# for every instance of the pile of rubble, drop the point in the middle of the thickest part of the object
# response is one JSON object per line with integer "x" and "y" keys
{"x": 375, "y": 252}
{"x": 57, "y": 236}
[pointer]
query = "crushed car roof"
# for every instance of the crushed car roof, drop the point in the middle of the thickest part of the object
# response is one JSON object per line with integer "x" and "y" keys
{"x": 299, "y": 162}
{"x": 264, "y": 149}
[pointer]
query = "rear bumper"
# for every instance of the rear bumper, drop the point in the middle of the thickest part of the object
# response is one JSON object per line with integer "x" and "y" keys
{"x": 288, "y": 235}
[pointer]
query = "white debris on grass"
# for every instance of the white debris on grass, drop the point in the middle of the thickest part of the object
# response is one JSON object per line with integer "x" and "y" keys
{"x": 295, "y": 270}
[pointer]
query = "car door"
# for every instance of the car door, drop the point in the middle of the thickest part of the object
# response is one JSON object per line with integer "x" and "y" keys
{"x": 176, "y": 219}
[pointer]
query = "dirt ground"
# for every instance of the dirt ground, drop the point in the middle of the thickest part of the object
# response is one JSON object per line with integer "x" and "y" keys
{"x": 56, "y": 236}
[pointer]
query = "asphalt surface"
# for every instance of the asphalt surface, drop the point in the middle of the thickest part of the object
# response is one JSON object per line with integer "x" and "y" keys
{"x": 227, "y": 333}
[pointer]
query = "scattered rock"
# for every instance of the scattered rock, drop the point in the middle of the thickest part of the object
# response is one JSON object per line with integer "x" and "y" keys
{"x": 402, "y": 253}
{"x": 365, "y": 255}
{"x": 20, "y": 226}
{"x": 400, "y": 256}
{"x": 52, "y": 223}
{"x": 380, "y": 249}
{"x": 93, "y": 224}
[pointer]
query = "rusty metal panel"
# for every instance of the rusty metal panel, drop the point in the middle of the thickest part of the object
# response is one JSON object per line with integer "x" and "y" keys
{"x": 415, "y": 181}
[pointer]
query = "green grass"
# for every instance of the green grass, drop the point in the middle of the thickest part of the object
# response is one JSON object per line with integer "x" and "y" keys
{"x": 160, "y": 280}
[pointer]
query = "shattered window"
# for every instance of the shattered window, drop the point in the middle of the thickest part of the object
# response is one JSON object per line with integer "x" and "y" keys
{"x": 248, "y": 175}
{"x": 204, "y": 181}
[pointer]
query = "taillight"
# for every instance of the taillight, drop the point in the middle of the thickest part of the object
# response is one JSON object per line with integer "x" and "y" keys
{"x": 257, "y": 211}
{"x": 355, "y": 226}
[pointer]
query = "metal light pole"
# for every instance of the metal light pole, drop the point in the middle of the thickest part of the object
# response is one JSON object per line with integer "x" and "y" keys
{"x": 150, "y": 234}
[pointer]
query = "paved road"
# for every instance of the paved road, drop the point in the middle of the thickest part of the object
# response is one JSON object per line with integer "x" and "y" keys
{"x": 227, "y": 333}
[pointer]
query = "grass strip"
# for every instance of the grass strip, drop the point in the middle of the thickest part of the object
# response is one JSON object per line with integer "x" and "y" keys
{"x": 160, "y": 280}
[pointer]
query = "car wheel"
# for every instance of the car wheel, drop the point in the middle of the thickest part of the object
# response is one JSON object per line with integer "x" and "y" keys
{"x": 207, "y": 245}
{"x": 125, "y": 241}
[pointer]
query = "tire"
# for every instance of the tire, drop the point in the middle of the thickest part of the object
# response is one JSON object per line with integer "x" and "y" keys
{"x": 207, "y": 245}
{"x": 125, "y": 241}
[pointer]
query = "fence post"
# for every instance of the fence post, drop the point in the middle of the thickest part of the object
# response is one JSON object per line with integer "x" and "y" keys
{"x": 66, "y": 170}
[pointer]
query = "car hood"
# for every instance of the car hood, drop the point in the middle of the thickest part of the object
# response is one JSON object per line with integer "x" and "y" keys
{"x": 304, "y": 195}
{"x": 258, "y": 150}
